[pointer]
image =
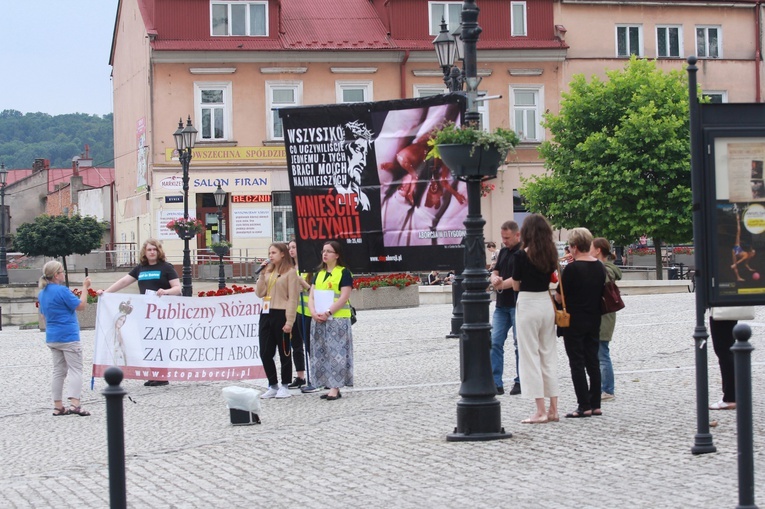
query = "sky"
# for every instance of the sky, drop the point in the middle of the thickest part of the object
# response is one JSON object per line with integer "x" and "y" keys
{"x": 55, "y": 56}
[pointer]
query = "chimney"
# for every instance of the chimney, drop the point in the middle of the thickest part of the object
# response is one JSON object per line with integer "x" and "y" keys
{"x": 40, "y": 164}
{"x": 76, "y": 166}
{"x": 85, "y": 160}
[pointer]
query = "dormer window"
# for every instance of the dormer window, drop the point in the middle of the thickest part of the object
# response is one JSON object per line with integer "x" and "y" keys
{"x": 451, "y": 12}
{"x": 238, "y": 18}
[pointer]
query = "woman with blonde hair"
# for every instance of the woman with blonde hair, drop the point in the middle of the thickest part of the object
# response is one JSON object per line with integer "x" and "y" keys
{"x": 331, "y": 335}
{"x": 582, "y": 282}
{"x": 601, "y": 249}
{"x": 154, "y": 275}
{"x": 278, "y": 287}
{"x": 62, "y": 335}
{"x": 534, "y": 265}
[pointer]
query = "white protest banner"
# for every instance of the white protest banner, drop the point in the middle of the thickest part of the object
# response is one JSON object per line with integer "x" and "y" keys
{"x": 179, "y": 338}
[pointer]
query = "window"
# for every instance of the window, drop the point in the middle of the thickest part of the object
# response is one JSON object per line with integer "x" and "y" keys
{"x": 449, "y": 11}
{"x": 278, "y": 95}
{"x": 708, "y": 42}
{"x": 518, "y": 18}
{"x": 716, "y": 97}
{"x": 353, "y": 91}
{"x": 483, "y": 106}
{"x": 213, "y": 107}
{"x": 629, "y": 40}
{"x": 284, "y": 224}
{"x": 239, "y": 18}
{"x": 669, "y": 41}
{"x": 526, "y": 107}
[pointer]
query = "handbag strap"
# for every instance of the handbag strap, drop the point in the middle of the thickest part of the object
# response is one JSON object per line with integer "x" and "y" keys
{"x": 608, "y": 278}
{"x": 562, "y": 295}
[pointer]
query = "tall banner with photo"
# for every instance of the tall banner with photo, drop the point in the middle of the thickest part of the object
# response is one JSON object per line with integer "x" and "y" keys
{"x": 359, "y": 175}
{"x": 737, "y": 271}
{"x": 179, "y": 338}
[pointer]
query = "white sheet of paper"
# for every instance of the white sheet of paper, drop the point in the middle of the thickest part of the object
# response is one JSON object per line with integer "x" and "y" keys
{"x": 322, "y": 299}
{"x": 150, "y": 292}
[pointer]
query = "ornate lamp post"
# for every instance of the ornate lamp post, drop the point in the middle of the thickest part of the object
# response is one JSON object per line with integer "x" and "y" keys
{"x": 448, "y": 48}
{"x": 185, "y": 137}
{"x": 220, "y": 199}
{"x": 478, "y": 412}
{"x": 3, "y": 261}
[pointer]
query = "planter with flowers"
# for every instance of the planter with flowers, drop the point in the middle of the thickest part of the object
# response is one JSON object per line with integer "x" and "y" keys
{"x": 220, "y": 292}
{"x": 386, "y": 291}
{"x": 221, "y": 248}
{"x": 86, "y": 317}
{"x": 468, "y": 151}
{"x": 186, "y": 227}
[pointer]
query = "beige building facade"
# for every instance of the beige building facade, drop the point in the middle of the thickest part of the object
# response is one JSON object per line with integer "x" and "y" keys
{"x": 171, "y": 60}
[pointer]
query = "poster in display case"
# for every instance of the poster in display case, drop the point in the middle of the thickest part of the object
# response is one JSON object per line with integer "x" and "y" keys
{"x": 736, "y": 210}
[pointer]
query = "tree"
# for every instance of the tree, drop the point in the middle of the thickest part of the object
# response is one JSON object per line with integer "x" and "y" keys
{"x": 59, "y": 236}
{"x": 619, "y": 160}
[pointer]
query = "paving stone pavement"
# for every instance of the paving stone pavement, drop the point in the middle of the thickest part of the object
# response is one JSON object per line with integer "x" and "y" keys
{"x": 383, "y": 444}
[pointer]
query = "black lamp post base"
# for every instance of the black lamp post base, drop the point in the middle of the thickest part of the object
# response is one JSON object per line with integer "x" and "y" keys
{"x": 478, "y": 420}
{"x": 703, "y": 444}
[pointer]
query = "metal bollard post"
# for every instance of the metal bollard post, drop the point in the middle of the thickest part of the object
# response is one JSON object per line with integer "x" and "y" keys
{"x": 742, "y": 358}
{"x": 115, "y": 432}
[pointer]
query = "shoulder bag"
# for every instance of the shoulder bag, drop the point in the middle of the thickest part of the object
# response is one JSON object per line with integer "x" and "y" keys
{"x": 611, "y": 299}
{"x": 562, "y": 317}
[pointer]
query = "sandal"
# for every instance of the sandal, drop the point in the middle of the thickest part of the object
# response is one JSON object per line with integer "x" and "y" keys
{"x": 78, "y": 411}
{"x": 579, "y": 413}
{"x": 60, "y": 411}
{"x": 597, "y": 412}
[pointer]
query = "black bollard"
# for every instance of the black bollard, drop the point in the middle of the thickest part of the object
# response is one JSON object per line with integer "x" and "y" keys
{"x": 742, "y": 359}
{"x": 457, "y": 311}
{"x": 115, "y": 433}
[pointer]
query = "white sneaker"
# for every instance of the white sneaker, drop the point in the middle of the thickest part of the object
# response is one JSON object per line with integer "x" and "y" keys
{"x": 270, "y": 393}
{"x": 283, "y": 392}
{"x": 607, "y": 397}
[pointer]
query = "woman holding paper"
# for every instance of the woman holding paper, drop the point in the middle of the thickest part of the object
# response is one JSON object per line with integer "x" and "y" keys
{"x": 331, "y": 337}
{"x": 277, "y": 286}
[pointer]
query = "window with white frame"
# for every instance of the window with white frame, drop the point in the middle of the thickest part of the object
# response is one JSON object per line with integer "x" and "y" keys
{"x": 518, "y": 18}
{"x": 212, "y": 101}
{"x": 429, "y": 90}
{"x": 353, "y": 91}
{"x": 716, "y": 96}
{"x": 451, "y": 12}
{"x": 278, "y": 95}
{"x": 669, "y": 41}
{"x": 709, "y": 42}
{"x": 526, "y": 107}
{"x": 284, "y": 224}
{"x": 238, "y": 18}
{"x": 629, "y": 40}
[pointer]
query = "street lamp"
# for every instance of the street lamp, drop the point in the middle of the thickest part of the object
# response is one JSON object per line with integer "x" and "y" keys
{"x": 448, "y": 47}
{"x": 185, "y": 137}
{"x": 3, "y": 262}
{"x": 220, "y": 199}
{"x": 478, "y": 411}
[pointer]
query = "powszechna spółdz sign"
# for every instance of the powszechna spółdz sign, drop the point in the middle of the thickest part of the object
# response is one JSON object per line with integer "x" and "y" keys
{"x": 179, "y": 338}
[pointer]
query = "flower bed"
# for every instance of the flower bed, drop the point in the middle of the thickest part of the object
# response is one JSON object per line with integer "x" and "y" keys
{"x": 227, "y": 291}
{"x": 399, "y": 280}
{"x": 386, "y": 291}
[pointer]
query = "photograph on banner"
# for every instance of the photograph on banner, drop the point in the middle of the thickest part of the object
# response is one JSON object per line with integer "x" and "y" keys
{"x": 738, "y": 265}
{"x": 359, "y": 175}
{"x": 179, "y": 338}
